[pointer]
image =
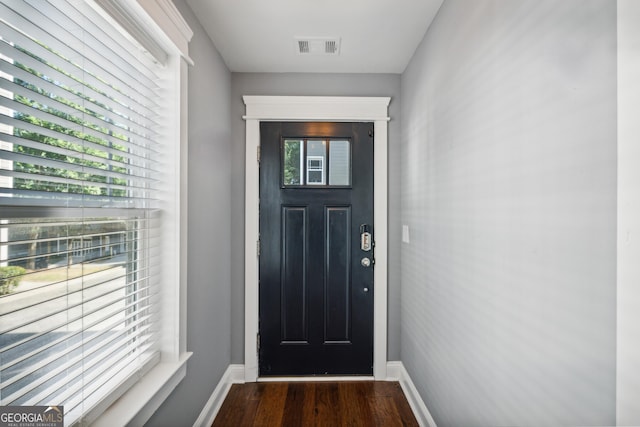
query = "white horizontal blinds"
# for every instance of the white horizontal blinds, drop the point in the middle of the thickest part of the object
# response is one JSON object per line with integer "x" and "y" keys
{"x": 80, "y": 235}
{"x": 83, "y": 316}
{"x": 79, "y": 110}
{"x": 91, "y": 300}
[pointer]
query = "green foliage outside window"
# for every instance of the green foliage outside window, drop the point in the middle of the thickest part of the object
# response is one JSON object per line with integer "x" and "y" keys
{"x": 292, "y": 162}
{"x": 10, "y": 278}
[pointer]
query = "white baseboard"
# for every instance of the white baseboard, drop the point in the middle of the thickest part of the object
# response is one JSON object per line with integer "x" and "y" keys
{"x": 397, "y": 372}
{"x": 233, "y": 375}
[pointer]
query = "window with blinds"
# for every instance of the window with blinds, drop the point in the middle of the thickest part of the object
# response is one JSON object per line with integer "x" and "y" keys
{"x": 80, "y": 225}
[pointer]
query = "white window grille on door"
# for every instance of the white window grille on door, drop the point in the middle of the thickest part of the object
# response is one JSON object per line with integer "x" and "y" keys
{"x": 315, "y": 170}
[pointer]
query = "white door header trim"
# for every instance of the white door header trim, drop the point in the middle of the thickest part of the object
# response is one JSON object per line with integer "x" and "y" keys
{"x": 316, "y": 108}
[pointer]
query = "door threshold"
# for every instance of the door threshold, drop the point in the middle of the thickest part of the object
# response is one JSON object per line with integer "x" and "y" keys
{"x": 317, "y": 378}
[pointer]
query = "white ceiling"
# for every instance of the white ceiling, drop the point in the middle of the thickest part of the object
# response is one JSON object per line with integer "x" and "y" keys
{"x": 378, "y": 36}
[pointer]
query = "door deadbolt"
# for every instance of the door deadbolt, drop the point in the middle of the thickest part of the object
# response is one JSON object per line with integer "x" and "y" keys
{"x": 366, "y": 262}
{"x": 365, "y": 238}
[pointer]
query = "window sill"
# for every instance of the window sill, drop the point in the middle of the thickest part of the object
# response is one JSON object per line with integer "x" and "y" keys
{"x": 139, "y": 403}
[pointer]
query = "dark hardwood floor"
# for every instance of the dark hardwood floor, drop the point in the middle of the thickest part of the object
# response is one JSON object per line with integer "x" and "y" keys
{"x": 355, "y": 403}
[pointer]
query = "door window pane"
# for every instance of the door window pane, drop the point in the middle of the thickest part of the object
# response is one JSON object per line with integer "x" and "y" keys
{"x": 339, "y": 162}
{"x": 293, "y": 162}
{"x": 316, "y": 152}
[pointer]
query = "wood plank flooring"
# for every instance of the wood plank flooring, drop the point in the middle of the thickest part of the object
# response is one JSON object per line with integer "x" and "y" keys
{"x": 354, "y": 403}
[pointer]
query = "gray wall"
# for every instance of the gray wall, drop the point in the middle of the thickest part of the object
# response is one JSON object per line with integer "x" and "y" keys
{"x": 311, "y": 84}
{"x": 209, "y": 174}
{"x": 509, "y": 191}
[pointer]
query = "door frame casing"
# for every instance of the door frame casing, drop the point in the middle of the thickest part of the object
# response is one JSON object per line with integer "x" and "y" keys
{"x": 315, "y": 109}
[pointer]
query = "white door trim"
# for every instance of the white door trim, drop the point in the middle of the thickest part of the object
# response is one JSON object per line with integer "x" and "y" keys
{"x": 309, "y": 109}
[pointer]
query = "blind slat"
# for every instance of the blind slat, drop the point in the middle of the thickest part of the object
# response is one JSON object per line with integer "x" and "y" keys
{"x": 48, "y": 183}
{"x": 114, "y": 217}
{"x": 44, "y": 198}
{"x": 79, "y": 235}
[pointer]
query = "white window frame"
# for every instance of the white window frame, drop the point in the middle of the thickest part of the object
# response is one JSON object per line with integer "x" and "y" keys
{"x": 315, "y": 169}
{"x": 309, "y": 109}
{"x": 159, "y": 27}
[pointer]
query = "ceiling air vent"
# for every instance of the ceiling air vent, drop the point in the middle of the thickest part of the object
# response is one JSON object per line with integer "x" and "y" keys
{"x": 303, "y": 46}
{"x": 330, "y": 47}
{"x": 317, "y": 45}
